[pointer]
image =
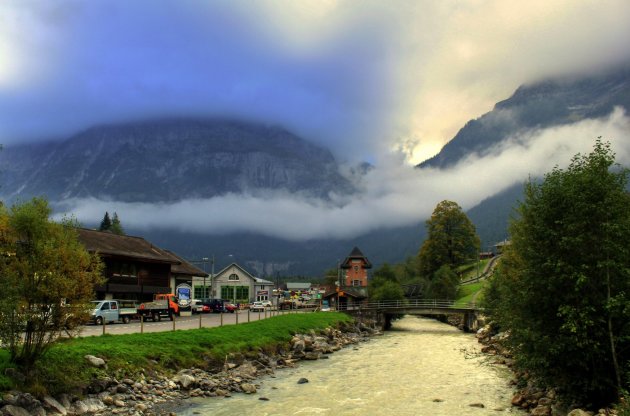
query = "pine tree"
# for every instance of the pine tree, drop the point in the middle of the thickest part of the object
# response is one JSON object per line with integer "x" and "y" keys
{"x": 116, "y": 226}
{"x": 106, "y": 223}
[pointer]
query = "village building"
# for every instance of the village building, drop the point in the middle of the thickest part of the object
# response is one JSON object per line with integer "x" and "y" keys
{"x": 352, "y": 286}
{"x": 187, "y": 273}
{"x": 134, "y": 268}
{"x": 237, "y": 285}
{"x": 355, "y": 269}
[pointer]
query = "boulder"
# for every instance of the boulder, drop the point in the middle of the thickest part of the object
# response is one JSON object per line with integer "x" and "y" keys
{"x": 579, "y": 412}
{"x": 11, "y": 410}
{"x": 302, "y": 380}
{"x": 248, "y": 388}
{"x": 541, "y": 411}
{"x": 299, "y": 346}
{"x": 185, "y": 380}
{"x": 54, "y": 407}
{"x": 95, "y": 361}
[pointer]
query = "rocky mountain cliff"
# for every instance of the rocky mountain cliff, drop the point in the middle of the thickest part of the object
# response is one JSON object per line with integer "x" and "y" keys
{"x": 547, "y": 103}
{"x": 169, "y": 160}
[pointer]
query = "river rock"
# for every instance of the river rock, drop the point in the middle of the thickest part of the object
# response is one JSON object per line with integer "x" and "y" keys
{"x": 184, "y": 380}
{"x": 479, "y": 405}
{"x": 541, "y": 411}
{"x": 11, "y": 410}
{"x": 248, "y": 388}
{"x": 299, "y": 346}
{"x": 579, "y": 412}
{"x": 95, "y": 361}
{"x": 54, "y": 406}
{"x": 302, "y": 380}
{"x": 518, "y": 399}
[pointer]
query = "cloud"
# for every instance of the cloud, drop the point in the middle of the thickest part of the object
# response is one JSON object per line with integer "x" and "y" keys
{"x": 393, "y": 195}
{"x": 361, "y": 79}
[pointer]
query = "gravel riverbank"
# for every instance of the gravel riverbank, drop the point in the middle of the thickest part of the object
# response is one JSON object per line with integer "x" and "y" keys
{"x": 165, "y": 394}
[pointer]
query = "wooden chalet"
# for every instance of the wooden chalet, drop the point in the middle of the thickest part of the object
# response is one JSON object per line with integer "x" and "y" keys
{"x": 134, "y": 268}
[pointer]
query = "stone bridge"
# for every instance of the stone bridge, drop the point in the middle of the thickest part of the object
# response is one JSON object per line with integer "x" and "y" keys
{"x": 384, "y": 311}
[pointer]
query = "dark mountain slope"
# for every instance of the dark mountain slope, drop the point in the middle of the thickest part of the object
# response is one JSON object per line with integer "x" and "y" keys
{"x": 170, "y": 160}
{"x": 548, "y": 103}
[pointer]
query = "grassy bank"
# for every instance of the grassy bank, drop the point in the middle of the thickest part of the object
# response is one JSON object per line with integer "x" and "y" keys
{"x": 65, "y": 369}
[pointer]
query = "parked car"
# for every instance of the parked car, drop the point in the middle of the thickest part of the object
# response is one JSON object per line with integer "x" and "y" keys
{"x": 266, "y": 303}
{"x": 198, "y": 306}
{"x": 230, "y": 307}
{"x": 257, "y": 307}
{"x": 214, "y": 305}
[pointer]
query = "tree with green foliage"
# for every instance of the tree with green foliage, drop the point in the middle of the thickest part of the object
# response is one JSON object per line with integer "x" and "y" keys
{"x": 106, "y": 222}
{"x": 116, "y": 226}
{"x": 47, "y": 279}
{"x": 444, "y": 283}
{"x": 452, "y": 241}
{"x": 563, "y": 288}
{"x": 384, "y": 285}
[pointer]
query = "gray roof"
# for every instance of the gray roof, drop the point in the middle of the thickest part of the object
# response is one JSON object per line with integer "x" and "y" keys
{"x": 299, "y": 285}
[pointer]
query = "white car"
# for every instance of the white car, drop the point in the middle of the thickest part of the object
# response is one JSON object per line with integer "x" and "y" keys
{"x": 266, "y": 303}
{"x": 196, "y": 306}
{"x": 257, "y": 307}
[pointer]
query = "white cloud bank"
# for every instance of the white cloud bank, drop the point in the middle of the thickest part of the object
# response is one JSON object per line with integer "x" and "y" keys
{"x": 393, "y": 194}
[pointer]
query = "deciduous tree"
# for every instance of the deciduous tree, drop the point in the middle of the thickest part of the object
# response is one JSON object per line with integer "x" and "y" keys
{"x": 46, "y": 280}
{"x": 563, "y": 289}
{"x": 452, "y": 240}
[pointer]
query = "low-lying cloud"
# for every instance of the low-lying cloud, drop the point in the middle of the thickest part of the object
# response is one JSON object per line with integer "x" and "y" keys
{"x": 393, "y": 194}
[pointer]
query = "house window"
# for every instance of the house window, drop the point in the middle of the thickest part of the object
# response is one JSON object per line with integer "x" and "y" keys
{"x": 124, "y": 270}
{"x": 227, "y": 292}
{"x": 239, "y": 294}
{"x": 356, "y": 269}
{"x": 202, "y": 292}
{"x": 233, "y": 277}
{"x": 356, "y": 282}
{"x": 242, "y": 293}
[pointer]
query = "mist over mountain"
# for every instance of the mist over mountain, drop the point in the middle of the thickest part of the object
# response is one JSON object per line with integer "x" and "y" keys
{"x": 275, "y": 203}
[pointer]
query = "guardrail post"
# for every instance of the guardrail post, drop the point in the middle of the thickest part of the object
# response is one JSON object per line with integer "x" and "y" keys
{"x": 173, "y": 322}
{"x": 142, "y": 324}
{"x": 248, "y": 311}
{"x": 221, "y": 313}
{"x": 199, "y": 320}
{"x": 104, "y": 323}
{"x": 236, "y": 313}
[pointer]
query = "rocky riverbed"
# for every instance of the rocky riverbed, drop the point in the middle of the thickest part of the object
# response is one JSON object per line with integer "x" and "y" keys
{"x": 164, "y": 394}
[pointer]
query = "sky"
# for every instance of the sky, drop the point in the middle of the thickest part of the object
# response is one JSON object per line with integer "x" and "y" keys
{"x": 387, "y": 82}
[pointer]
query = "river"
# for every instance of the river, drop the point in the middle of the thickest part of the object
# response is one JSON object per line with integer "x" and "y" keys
{"x": 421, "y": 367}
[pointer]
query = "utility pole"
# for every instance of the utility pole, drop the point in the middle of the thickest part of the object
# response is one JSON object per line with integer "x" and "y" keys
{"x": 212, "y": 278}
{"x": 205, "y": 289}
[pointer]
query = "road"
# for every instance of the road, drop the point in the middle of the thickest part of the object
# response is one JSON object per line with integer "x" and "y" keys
{"x": 206, "y": 320}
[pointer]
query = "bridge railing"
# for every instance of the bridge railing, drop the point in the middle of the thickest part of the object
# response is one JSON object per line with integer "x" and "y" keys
{"x": 416, "y": 303}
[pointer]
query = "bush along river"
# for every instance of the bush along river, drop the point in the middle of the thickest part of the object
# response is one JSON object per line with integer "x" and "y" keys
{"x": 420, "y": 367}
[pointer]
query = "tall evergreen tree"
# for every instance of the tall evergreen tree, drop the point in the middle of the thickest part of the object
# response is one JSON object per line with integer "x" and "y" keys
{"x": 116, "y": 226}
{"x": 106, "y": 223}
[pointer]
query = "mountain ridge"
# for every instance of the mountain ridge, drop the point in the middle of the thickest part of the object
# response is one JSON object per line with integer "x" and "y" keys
{"x": 169, "y": 160}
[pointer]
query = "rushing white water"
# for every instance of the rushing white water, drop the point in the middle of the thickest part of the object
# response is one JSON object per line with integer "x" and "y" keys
{"x": 422, "y": 367}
